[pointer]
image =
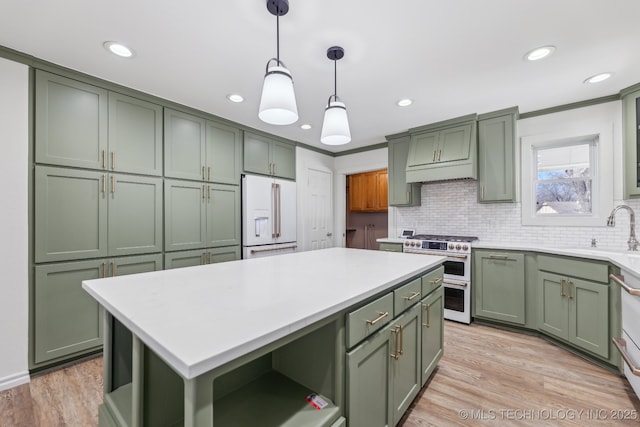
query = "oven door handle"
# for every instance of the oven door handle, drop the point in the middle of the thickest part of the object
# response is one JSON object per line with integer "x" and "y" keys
{"x": 437, "y": 254}
{"x": 462, "y": 285}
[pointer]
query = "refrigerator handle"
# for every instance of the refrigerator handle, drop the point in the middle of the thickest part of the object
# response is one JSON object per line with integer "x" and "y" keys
{"x": 274, "y": 211}
{"x": 279, "y": 210}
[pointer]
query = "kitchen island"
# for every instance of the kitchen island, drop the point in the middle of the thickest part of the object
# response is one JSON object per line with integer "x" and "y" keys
{"x": 244, "y": 342}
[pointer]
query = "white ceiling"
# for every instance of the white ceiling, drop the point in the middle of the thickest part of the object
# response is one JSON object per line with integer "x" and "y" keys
{"x": 452, "y": 57}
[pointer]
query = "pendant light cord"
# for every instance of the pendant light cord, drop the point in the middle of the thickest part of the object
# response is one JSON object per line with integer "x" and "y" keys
{"x": 278, "y": 38}
{"x": 335, "y": 80}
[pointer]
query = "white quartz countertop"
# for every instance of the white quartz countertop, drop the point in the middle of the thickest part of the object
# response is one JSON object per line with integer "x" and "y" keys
{"x": 199, "y": 318}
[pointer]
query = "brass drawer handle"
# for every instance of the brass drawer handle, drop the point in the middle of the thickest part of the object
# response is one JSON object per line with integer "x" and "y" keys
{"x": 397, "y": 331}
{"x": 113, "y": 160}
{"x": 104, "y": 166}
{"x": 113, "y": 184}
{"x": 494, "y": 256}
{"x": 621, "y": 345}
{"x": 379, "y": 318}
{"x": 569, "y": 284}
{"x": 412, "y": 296}
{"x": 436, "y": 281}
{"x": 427, "y": 308}
{"x": 562, "y": 294}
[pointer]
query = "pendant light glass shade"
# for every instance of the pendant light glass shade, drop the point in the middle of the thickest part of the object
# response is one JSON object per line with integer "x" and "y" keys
{"x": 335, "y": 126}
{"x": 278, "y": 101}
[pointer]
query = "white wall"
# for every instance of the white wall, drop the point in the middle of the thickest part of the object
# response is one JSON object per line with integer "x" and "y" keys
{"x": 452, "y": 208}
{"x": 14, "y": 170}
{"x": 346, "y": 165}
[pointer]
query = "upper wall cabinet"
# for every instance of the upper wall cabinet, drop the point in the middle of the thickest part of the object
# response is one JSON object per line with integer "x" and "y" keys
{"x": 269, "y": 157}
{"x": 80, "y": 125}
{"x": 445, "y": 150}
{"x": 497, "y": 156}
{"x": 200, "y": 149}
{"x": 70, "y": 122}
{"x": 631, "y": 131}
{"x": 368, "y": 191}
{"x": 400, "y": 192}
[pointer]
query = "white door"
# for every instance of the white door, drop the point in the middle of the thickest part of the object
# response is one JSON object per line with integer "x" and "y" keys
{"x": 320, "y": 218}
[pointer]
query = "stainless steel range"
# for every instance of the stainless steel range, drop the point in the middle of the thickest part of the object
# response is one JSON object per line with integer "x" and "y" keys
{"x": 457, "y": 270}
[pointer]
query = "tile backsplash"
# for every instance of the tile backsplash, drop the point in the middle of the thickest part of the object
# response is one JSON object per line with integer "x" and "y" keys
{"x": 451, "y": 207}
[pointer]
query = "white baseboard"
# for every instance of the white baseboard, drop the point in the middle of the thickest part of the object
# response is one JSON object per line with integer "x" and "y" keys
{"x": 14, "y": 380}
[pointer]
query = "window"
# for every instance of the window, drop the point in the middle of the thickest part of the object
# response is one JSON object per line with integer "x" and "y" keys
{"x": 566, "y": 180}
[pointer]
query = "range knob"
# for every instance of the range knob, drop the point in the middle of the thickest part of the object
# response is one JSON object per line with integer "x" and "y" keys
{"x": 458, "y": 246}
{"x": 407, "y": 243}
{"x": 451, "y": 247}
{"x": 465, "y": 247}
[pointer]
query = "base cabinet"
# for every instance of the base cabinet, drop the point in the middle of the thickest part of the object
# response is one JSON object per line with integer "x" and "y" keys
{"x": 499, "y": 286}
{"x": 201, "y": 257}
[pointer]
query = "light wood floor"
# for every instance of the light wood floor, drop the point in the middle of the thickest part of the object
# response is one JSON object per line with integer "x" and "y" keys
{"x": 487, "y": 377}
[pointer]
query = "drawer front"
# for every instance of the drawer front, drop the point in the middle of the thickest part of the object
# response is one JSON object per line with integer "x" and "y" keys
{"x": 631, "y": 310}
{"x": 432, "y": 280}
{"x": 634, "y": 354}
{"x": 391, "y": 247}
{"x": 366, "y": 320}
{"x": 407, "y": 295}
{"x": 575, "y": 267}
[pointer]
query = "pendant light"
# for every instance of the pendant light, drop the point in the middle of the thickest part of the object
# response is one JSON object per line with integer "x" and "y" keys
{"x": 335, "y": 127}
{"x": 278, "y": 101}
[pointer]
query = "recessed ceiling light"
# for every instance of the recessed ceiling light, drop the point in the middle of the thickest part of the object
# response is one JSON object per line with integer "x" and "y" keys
{"x": 539, "y": 53}
{"x": 305, "y": 126}
{"x": 404, "y": 102}
{"x": 119, "y": 49}
{"x": 598, "y": 78}
{"x": 234, "y": 97}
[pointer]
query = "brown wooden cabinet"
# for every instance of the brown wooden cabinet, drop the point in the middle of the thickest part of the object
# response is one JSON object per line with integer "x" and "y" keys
{"x": 368, "y": 191}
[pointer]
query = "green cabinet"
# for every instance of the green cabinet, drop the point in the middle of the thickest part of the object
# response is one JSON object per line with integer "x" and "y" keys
{"x": 66, "y": 321}
{"x": 88, "y": 214}
{"x": 201, "y": 215}
{"x": 499, "y": 286}
{"x": 201, "y": 150}
{"x": 631, "y": 139}
{"x": 383, "y": 373}
{"x": 269, "y": 157}
{"x": 201, "y": 256}
{"x": 401, "y": 193}
{"x": 80, "y": 125}
{"x": 390, "y": 246}
{"x": 432, "y": 334}
{"x": 497, "y": 156}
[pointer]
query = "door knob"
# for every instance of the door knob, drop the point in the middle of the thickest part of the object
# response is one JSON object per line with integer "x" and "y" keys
{"x": 329, "y": 234}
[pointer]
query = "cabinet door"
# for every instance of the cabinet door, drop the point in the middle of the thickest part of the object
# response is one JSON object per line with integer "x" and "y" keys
{"x": 423, "y": 149}
{"x": 454, "y": 144}
{"x": 283, "y": 157}
{"x": 382, "y": 190}
{"x": 184, "y": 146}
{"x": 356, "y": 192}
{"x": 224, "y": 254}
{"x": 589, "y": 315}
{"x": 185, "y": 209}
{"x": 184, "y": 259}
{"x": 432, "y": 332}
{"x": 224, "y": 152}
{"x": 257, "y": 154}
{"x": 66, "y": 320}
{"x": 500, "y": 286}
{"x": 496, "y": 140}
{"x": 135, "y": 135}
{"x": 405, "y": 370}
{"x": 223, "y": 215}
{"x": 70, "y": 214}
{"x": 70, "y": 122}
{"x": 553, "y": 305}
{"x": 631, "y": 129}
{"x": 369, "y": 382}
{"x": 135, "y": 214}
{"x": 401, "y": 193}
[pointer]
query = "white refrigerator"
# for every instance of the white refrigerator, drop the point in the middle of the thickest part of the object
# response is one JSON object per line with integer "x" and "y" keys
{"x": 268, "y": 216}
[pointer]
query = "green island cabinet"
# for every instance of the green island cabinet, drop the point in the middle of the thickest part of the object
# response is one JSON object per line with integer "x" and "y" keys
{"x": 82, "y": 214}
{"x": 267, "y": 156}
{"x": 445, "y": 150}
{"x": 574, "y": 303}
{"x": 391, "y": 246}
{"x": 200, "y": 215}
{"x": 201, "y": 256}
{"x": 631, "y": 139}
{"x": 499, "y": 285}
{"x": 66, "y": 321}
{"x": 497, "y": 156}
{"x": 200, "y": 149}
{"x": 80, "y": 125}
{"x": 401, "y": 193}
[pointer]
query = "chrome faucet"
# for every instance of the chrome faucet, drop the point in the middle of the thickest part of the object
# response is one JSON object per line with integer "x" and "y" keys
{"x": 611, "y": 222}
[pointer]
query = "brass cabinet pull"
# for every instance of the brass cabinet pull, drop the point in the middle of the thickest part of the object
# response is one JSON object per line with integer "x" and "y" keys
{"x": 113, "y": 269}
{"x": 562, "y": 294}
{"x": 208, "y": 193}
{"x": 113, "y": 160}
{"x": 203, "y": 176}
{"x": 439, "y": 154}
{"x": 401, "y": 340}
{"x": 396, "y": 331}
{"x": 434, "y": 156}
{"x": 113, "y": 184}
{"x": 436, "y": 281}
{"x": 104, "y": 269}
{"x": 494, "y": 256}
{"x": 104, "y": 166}
{"x": 203, "y": 192}
{"x": 619, "y": 279}
{"x": 427, "y": 308}
{"x": 621, "y": 345}
{"x": 381, "y": 315}
{"x": 482, "y": 192}
{"x": 104, "y": 183}
{"x": 408, "y": 196}
{"x": 209, "y": 173}
{"x": 412, "y": 296}
{"x": 569, "y": 284}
